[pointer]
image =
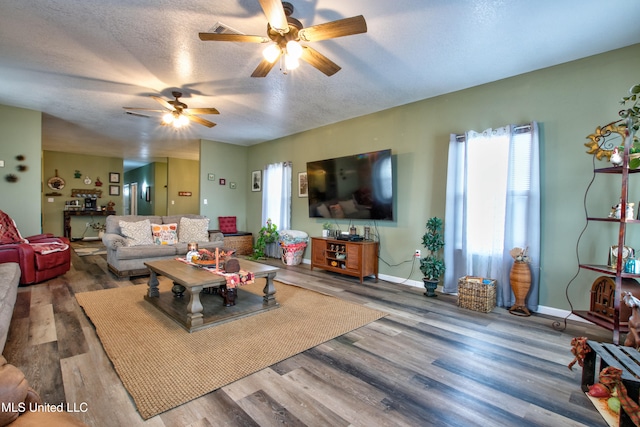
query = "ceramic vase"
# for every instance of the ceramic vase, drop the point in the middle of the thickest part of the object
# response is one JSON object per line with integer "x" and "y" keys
{"x": 520, "y": 278}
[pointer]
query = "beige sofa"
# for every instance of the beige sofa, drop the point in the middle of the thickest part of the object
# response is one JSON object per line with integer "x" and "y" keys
{"x": 128, "y": 247}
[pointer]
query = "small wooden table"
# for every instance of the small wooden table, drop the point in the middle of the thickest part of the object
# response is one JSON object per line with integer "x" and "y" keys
{"x": 625, "y": 358}
{"x": 204, "y": 310}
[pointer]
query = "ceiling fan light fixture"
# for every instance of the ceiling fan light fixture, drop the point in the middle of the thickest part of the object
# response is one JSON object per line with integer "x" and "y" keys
{"x": 271, "y": 53}
{"x": 167, "y": 118}
{"x": 291, "y": 63}
{"x": 181, "y": 121}
{"x": 294, "y": 49}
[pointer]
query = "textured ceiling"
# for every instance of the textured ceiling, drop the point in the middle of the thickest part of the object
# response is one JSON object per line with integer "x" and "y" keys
{"x": 80, "y": 62}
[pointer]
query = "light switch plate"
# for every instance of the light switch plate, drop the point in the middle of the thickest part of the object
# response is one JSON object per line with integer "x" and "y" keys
{"x": 1, "y": 163}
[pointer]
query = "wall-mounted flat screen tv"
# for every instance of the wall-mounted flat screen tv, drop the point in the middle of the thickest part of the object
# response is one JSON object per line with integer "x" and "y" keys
{"x": 352, "y": 187}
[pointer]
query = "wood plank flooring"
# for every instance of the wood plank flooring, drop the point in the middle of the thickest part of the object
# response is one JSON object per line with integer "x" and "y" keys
{"x": 428, "y": 363}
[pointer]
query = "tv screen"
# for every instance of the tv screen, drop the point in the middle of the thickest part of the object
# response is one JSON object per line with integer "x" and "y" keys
{"x": 352, "y": 187}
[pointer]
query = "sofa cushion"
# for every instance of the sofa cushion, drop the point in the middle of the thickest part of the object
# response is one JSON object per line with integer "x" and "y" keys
{"x": 137, "y": 233}
{"x": 227, "y": 224}
{"x": 193, "y": 230}
{"x": 145, "y": 251}
{"x": 113, "y": 221}
{"x": 165, "y": 234}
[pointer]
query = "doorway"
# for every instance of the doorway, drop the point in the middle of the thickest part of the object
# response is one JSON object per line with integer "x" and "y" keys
{"x": 130, "y": 199}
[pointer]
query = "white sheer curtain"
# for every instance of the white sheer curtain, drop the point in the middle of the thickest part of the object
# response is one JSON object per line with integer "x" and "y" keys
{"x": 276, "y": 195}
{"x": 493, "y": 205}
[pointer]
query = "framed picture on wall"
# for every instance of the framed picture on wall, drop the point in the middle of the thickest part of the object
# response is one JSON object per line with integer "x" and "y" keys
{"x": 114, "y": 190}
{"x": 114, "y": 177}
{"x": 256, "y": 181}
{"x": 303, "y": 187}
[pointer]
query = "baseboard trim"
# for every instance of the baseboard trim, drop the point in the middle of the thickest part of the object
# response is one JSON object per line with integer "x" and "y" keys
{"x": 549, "y": 311}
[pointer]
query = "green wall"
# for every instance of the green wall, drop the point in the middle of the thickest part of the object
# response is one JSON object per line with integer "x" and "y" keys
{"x": 145, "y": 176}
{"x": 21, "y": 134}
{"x": 228, "y": 162}
{"x": 568, "y": 101}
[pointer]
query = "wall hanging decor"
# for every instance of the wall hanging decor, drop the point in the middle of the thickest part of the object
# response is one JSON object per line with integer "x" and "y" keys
{"x": 55, "y": 182}
{"x": 256, "y": 181}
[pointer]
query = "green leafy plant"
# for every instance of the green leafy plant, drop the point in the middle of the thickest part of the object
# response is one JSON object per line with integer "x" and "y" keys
{"x": 631, "y": 116}
{"x": 432, "y": 264}
{"x": 632, "y": 111}
{"x": 267, "y": 234}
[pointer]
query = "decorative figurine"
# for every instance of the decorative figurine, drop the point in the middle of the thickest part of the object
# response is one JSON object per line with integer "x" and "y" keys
{"x": 633, "y": 339}
{"x": 616, "y": 158}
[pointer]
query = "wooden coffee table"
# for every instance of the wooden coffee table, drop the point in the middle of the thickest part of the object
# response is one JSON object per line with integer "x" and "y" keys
{"x": 199, "y": 310}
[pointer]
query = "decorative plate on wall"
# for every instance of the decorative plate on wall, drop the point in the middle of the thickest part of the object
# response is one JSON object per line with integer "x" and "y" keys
{"x": 56, "y": 183}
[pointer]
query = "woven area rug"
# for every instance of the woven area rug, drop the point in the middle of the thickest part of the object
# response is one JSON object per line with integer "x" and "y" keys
{"x": 163, "y": 366}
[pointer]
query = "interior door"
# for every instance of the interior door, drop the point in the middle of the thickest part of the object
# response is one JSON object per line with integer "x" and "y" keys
{"x": 133, "y": 199}
{"x": 127, "y": 202}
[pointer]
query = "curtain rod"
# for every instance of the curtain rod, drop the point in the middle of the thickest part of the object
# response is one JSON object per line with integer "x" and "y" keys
{"x": 516, "y": 128}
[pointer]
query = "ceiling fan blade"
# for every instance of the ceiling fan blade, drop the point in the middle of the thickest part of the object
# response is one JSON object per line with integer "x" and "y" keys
{"x": 200, "y": 120}
{"x": 319, "y": 61}
{"x": 131, "y": 113}
{"x": 164, "y": 103}
{"x": 232, "y": 38}
{"x": 275, "y": 15}
{"x": 201, "y": 111}
{"x": 263, "y": 68}
{"x": 142, "y": 109}
{"x": 331, "y": 30}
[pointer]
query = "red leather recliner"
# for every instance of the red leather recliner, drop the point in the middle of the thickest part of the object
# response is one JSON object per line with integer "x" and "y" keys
{"x": 41, "y": 257}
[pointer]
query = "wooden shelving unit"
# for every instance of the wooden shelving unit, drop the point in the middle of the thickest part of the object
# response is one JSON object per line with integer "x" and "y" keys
{"x": 617, "y": 271}
{"x": 357, "y": 259}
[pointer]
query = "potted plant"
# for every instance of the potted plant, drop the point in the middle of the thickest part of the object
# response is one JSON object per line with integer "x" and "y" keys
{"x": 631, "y": 116}
{"x": 432, "y": 264}
{"x": 268, "y": 235}
{"x": 326, "y": 229}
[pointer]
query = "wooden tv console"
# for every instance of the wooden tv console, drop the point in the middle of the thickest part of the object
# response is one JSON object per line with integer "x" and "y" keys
{"x": 354, "y": 258}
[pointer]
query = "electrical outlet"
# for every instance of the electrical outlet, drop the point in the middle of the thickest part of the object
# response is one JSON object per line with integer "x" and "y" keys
{"x": 417, "y": 253}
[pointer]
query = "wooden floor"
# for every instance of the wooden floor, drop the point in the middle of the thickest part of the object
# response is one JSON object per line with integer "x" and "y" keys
{"x": 428, "y": 363}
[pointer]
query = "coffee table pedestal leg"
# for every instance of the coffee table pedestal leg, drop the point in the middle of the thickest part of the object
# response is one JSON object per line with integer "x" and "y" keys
{"x": 194, "y": 308}
{"x": 153, "y": 285}
{"x": 269, "y": 290}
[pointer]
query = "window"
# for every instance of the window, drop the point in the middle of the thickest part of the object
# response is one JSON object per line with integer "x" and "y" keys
{"x": 493, "y": 205}
{"x": 276, "y": 195}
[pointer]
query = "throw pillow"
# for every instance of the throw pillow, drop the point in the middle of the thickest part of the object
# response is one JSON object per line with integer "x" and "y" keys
{"x": 165, "y": 234}
{"x": 227, "y": 224}
{"x": 137, "y": 233}
{"x": 193, "y": 230}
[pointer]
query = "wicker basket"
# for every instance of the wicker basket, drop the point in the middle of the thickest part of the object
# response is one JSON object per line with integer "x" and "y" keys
{"x": 292, "y": 254}
{"x": 477, "y": 293}
{"x": 243, "y": 244}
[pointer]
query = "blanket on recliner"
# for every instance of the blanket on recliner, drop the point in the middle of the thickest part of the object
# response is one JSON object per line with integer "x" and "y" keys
{"x": 8, "y": 231}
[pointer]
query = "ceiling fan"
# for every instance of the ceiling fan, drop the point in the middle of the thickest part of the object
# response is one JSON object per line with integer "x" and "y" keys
{"x": 177, "y": 112}
{"x": 287, "y": 32}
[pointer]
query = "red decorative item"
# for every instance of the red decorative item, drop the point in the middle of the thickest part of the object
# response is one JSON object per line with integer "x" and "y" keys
{"x": 227, "y": 224}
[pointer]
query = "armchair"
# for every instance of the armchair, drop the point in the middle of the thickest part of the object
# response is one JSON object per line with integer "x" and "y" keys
{"x": 41, "y": 257}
